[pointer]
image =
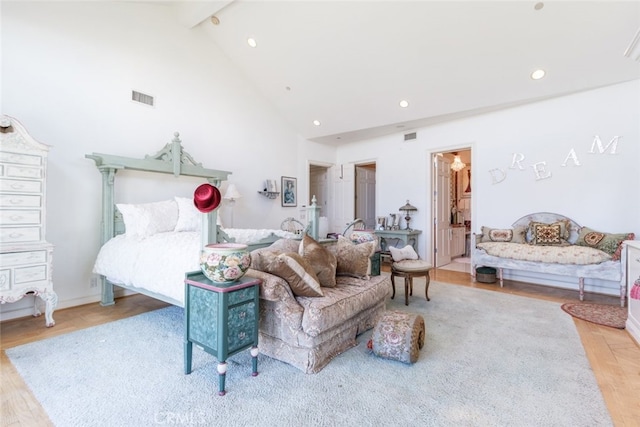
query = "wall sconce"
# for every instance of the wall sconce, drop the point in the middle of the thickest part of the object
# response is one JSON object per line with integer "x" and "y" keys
{"x": 408, "y": 209}
{"x": 231, "y": 195}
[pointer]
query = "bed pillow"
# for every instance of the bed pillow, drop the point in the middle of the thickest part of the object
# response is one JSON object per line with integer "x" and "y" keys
{"x": 285, "y": 245}
{"x": 606, "y": 242}
{"x": 538, "y": 232}
{"x": 353, "y": 260}
{"x": 513, "y": 235}
{"x": 399, "y": 254}
{"x": 323, "y": 262}
{"x": 297, "y": 273}
{"x": 146, "y": 219}
{"x": 189, "y": 217}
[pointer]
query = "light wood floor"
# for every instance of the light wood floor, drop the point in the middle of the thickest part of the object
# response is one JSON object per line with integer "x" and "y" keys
{"x": 613, "y": 354}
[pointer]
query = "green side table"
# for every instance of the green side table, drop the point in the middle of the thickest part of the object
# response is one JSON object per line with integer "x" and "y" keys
{"x": 222, "y": 318}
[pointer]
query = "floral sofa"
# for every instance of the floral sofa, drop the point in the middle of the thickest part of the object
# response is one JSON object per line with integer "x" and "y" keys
{"x": 315, "y": 299}
{"x": 553, "y": 244}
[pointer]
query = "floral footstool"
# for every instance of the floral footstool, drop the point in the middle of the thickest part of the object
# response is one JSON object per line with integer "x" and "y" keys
{"x": 398, "y": 335}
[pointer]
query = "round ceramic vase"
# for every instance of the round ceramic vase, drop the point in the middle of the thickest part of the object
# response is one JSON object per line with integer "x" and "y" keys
{"x": 225, "y": 262}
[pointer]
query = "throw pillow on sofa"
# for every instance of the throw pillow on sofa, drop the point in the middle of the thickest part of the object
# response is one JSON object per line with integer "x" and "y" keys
{"x": 323, "y": 262}
{"x": 297, "y": 273}
{"x": 353, "y": 260}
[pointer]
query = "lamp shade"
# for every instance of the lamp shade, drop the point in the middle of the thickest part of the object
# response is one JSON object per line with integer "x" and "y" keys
{"x": 408, "y": 207}
{"x": 232, "y": 192}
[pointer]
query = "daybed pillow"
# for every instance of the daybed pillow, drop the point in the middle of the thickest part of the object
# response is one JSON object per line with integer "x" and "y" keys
{"x": 285, "y": 245}
{"x": 189, "y": 217}
{"x": 261, "y": 258}
{"x": 606, "y": 242}
{"x": 146, "y": 219}
{"x": 297, "y": 273}
{"x": 399, "y": 254}
{"x": 353, "y": 260}
{"x": 549, "y": 234}
{"x": 323, "y": 262}
{"x": 513, "y": 235}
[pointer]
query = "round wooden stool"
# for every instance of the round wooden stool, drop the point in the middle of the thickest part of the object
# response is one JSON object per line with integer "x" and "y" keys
{"x": 409, "y": 269}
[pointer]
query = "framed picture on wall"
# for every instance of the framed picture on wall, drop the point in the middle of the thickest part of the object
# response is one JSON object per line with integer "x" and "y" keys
{"x": 289, "y": 191}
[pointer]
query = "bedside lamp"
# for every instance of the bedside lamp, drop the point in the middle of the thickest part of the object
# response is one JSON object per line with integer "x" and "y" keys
{"x": 408, "y": 209}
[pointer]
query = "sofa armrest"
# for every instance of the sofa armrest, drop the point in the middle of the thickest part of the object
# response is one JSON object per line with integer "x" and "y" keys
{"x": 274, "y": 288}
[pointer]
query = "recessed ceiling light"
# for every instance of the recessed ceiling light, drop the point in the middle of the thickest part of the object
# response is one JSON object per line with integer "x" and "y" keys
{"x": 215, "y": 20}
{"x": 538, "y": 74}
{"x": 316, "y": 122}
{"x": 252, "y": 42}
{"x": 404, "y": 103}
{"x": 538, "y": 6}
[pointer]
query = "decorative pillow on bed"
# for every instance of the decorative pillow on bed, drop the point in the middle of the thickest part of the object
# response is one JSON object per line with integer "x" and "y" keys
{"x": 547, "y": 234}
{"x": 297, "y": 273}
{"x": 606, "y": 242}
{"x": 322, "y": 261}
{"x": 146, "y": 219}
{"x": 540, "y": 233}
{"x": 513, "y": 235}
{"x": 353, "y": 260}
{"x": 556, "y": 233}
{"x": 189, "y": 217}
{"x": 399, "y": 254}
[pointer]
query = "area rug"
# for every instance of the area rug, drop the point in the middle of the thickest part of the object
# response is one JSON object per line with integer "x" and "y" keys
{"x": 610, "y": 315}
{"x": 489, "y": 359}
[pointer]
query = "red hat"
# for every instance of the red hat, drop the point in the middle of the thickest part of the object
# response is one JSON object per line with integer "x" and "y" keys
{"x": 206, "y": 198}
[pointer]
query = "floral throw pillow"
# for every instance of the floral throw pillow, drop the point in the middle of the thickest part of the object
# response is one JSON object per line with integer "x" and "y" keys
{"x": 513, "y": 235}
{"x": 546, "y": 234}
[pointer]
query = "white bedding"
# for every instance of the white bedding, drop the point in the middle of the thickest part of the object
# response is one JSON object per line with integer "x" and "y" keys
{"x": 159, "y": 262}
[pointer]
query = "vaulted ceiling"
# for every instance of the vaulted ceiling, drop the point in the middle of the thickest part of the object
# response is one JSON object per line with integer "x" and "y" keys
{"x": 348, "y": 64}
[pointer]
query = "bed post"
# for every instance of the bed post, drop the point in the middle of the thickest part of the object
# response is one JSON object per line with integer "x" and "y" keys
{"x": 107, "y": 226}
{"x": 314, "y": 218}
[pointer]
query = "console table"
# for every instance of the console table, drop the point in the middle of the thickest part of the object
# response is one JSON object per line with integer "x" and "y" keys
{"x": 222, "y": 318}
{"x": 403, "y": 237}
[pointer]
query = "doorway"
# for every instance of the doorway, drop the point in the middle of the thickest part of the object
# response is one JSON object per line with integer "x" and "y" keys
{"x": 452, "y": 209}
{"x": 365, "y": 196}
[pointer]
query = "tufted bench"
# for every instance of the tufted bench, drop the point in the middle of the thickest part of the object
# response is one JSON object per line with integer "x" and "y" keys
{"x": 398, "y": 335}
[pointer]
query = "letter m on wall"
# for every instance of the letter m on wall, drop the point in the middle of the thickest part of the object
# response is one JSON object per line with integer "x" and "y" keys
{"x": 601, "y": 149}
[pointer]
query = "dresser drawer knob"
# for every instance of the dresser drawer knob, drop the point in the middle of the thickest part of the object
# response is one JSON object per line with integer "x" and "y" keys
{"x": 17, "y": 186}
{"x": 242, "y": 314}
{"x": 15, "y": 235}
{"x": 242, "y": 335}
{"x": 16, "y": 217}
{"x": 16, "y": 201}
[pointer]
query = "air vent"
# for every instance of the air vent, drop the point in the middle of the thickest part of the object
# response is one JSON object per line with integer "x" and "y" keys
{"x": 410, "y": 136}
{"x": 142, "y": 98}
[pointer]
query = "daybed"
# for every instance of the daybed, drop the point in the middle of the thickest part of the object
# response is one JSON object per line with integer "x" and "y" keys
{"x": 552, "y": 244}
{"x": 149, "y": 247}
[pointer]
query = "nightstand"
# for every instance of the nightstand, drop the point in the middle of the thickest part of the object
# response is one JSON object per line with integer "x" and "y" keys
{"x": 222, "y": 318}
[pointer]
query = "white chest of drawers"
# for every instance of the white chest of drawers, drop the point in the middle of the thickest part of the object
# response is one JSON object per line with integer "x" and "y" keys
{"x": 25, "y": 255}
{"x": 633, "y": 274}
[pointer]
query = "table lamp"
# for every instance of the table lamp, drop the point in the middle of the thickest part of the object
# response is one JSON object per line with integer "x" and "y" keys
{"x": 408, "y": 209}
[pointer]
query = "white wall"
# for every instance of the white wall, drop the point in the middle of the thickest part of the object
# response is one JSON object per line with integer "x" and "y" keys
{"x": 601, "y": 193}
{"x": 68, "y": 71}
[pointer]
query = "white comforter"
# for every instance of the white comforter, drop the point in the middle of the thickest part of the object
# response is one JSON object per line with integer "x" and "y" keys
{"x": 158, "y": 263}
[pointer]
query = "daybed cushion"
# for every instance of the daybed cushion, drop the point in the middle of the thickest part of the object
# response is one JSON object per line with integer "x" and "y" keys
{"x": 606, "y": 242}
{"x": 572, "y": 254}
{"x": 323, "y": 262}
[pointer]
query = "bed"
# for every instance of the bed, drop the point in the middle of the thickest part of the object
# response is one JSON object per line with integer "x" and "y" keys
{"x": 148, "y": 248}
